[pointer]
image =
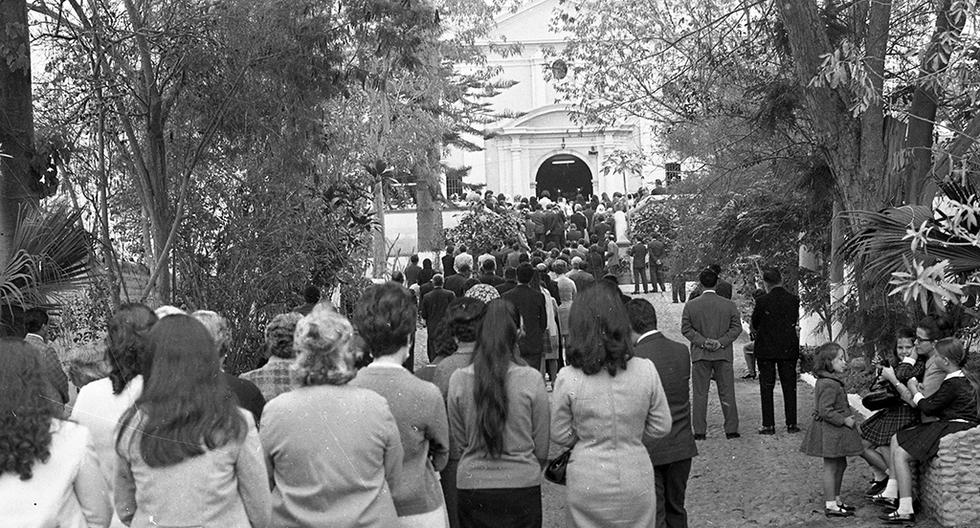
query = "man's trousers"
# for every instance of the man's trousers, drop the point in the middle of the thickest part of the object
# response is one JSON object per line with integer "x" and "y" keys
{"x": 702, "y": 372}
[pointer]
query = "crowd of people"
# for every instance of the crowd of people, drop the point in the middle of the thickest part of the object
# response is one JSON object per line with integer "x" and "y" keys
{"x": 335, "y": 429}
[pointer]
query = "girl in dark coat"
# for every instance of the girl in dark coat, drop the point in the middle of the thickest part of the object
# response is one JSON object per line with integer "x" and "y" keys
{"x": 832, "y": 435}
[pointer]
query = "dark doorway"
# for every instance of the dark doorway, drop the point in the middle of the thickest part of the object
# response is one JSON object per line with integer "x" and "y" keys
{"x": 564, "y": 175}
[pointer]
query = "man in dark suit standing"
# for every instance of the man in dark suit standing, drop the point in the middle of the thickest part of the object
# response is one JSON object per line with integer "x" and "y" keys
{"x": 433, "y": 311}
{"x": 449, "y": 262}
{"x": 777, "y": 348}
{"x": 488, "y": 273}
{"x": 711, "y": 323}
{"x": 510, "y": 281}
{"x": 639, "y": 254}
{"x": 671, "y": 455}
{"x": 530, "y": 304}
{"x": 461, "y": 281}
{"x": 723, "y": 288}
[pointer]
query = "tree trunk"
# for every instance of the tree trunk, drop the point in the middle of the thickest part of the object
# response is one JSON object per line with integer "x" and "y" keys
{"x": 925, "y": 100}
{"x": 379, "y": 242}
{"x": 873, "y": 152}
{"x": 429, "y": 206}
{"x": 17, "y": 191}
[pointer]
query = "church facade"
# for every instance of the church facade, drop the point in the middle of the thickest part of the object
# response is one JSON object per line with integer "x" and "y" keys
{"x": 544, "y": 147}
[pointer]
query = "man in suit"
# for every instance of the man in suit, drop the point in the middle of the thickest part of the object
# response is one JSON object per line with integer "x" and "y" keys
{"x": 639, "y": 254}
{"x": 510, "y": 281}
{"x": 488, "y": 273}
{"x": 530, "y": 304}
{"x": 433, "y": 311}
{"x": 723, "y": 288}
{"x": 671, "y": 455}
{"x": 449, "y": 261}
{"x": 579, "y": 276}
{"x": 36, "y": 324}
{"x": 412, "y": 271}
{"x": 462, "y": 280}
{"x": 777, "y": 349}
{"x": 711, "y": 323}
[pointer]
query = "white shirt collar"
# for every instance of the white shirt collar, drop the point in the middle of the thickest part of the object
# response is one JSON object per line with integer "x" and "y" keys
{"x": 382, "y": 364}
{"x": 645, "y": 334}
{"x": 955, "y": 374}
{"x": 712, "y": 290}
{"x": 29, "y": 334}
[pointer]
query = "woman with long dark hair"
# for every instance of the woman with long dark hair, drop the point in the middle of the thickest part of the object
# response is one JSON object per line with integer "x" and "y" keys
{"x": 188, "y": 456}
{"x": 334, "y": 450}
{"x": 101, "y": 403}
{"x": 498, "y": 421}
{"x": 605, "y": 403}
{"x": 49, "y": 475}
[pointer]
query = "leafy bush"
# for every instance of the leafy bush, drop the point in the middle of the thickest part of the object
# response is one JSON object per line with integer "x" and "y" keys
{"x": 481, "y": 230}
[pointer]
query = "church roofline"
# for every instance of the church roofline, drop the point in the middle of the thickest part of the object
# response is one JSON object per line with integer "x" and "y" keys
{"x": 516, "y": 126}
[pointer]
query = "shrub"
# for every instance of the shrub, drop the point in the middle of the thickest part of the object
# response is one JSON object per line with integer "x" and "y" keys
{"x": 481, "y": 230}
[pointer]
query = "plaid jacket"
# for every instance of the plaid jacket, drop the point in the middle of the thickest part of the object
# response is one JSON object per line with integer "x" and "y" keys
{"x": 272, "y": 379}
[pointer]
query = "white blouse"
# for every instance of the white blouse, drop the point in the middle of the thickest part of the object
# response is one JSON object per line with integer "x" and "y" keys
{"x": 67, "y": 491}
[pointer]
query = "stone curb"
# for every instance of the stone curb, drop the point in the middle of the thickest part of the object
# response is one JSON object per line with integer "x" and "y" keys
{"x": 853, "y": 399}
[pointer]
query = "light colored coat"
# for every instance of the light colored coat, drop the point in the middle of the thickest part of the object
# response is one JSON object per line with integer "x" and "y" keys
{"x": 711, "y": 316}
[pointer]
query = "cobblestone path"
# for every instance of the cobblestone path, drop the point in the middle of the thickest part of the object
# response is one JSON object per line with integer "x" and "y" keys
{"x": 754, "y": 480}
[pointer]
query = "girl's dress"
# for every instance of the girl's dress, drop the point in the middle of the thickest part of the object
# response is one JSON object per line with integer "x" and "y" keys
{"x": 879, "y": 429}
{"x": 827, "y": 436}
{"x": 956, "y": 406}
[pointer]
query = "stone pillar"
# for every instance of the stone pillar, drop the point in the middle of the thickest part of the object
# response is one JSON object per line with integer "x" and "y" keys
{"x": 517, "y": 177}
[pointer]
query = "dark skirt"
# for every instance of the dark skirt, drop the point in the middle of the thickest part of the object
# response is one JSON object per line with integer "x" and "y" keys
{"x": 921, "y": 442}
{"x": 500, "y": 508}
{"x": 879, "y": 429}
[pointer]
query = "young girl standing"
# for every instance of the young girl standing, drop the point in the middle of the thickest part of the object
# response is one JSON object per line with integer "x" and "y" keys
{"x": 832, "y": 435}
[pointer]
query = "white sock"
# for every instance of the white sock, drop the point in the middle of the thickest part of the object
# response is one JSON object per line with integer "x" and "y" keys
{"x": 891, "y": 489}
{"x": 905, "y": 505}
{"x": 831, "y": 505}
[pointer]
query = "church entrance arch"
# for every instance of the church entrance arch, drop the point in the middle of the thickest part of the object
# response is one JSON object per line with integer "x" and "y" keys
{"x": 564, "y": 175}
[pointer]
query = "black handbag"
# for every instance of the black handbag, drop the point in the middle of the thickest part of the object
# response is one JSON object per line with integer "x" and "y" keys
{"x": 882, "y": 396}
{"x": 555, "y": 470}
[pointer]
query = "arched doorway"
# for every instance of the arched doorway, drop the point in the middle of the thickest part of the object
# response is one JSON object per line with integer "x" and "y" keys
{"x": 564, "y": 175}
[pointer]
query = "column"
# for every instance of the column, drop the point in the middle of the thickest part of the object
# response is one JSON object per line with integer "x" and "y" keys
{"x": 517, "y": 178}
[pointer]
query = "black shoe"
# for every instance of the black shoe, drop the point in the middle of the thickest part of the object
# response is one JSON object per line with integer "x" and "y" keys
{"x": 732, "y": 436}
{"x": 887, "y": 502}
{"x": 846, "y": 507}
{"x": 767, "y": 431}
{"x": 750, "y": 375}
{"x": 877, "y": 486}
{"x": 837, "y": 512}
{"x": 897, "y": 518}
{"x": 791, "y": 429}
{"x": 699, "y": 436}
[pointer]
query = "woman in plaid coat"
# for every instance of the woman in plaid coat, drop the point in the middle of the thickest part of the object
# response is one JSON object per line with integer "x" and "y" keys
{"x": 876, "y": 432}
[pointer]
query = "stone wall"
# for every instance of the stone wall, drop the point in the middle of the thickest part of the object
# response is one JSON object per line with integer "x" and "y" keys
{"x": 950, "y": 482}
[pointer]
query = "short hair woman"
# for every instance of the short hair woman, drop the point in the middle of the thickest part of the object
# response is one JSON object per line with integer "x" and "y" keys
{"x": 44, "y": 461}
{"x": 498, "y": 420}
{"x": 343, "y": 478}
{"x": 187, "y": 455}
{"x": 385, "y": 317}
{"x": 604, "y": 403}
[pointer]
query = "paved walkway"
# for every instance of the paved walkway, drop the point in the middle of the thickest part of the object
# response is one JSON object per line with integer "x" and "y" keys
{"x": 755, "y": 480}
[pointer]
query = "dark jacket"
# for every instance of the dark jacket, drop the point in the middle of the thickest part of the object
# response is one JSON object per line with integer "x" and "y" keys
{"x": 433, "y": 307}
{"x": 448, "y": 265}
{"x": 723, "y": 288}
{"x": 639, "y": 253}
{"x": 774, "y": 322}
{"x": 506, "y": 286}
{"x": 412, "y": 274}
{"x": 491, "y": 279}
{"x": 248, "y": 395}
{"x": 458, "y": 284}
{"x": 673, "y": 363}
{"x": 530, "y": 304}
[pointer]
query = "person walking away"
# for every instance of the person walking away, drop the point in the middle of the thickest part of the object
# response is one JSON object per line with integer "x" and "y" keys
{"x": 612, "y": 254}
{"x": 36, "y": 324}
{"x": 334, "y": 450}
{"x": 604, "y": 404}
{"x": 412, "y": 270}
{"x": 656, "y": 254}
{"x": 463, "y": 318}
{"x": 510, "y": 281}
{"x": 530, "y": 305}
{"x": 102, "y": 402}
{"x": 498, "y": 421}
{"x": 954, "y": 404}
{"x": 275, "y": 377}
{"x": 462, "y": 280}
{"x": 678, "y": 287}
{"x": 832, "y": 435}
{"x": 49, "y": 474}
{"x": 448, "y": 261}
{"x": 425, "y": 274}
{"x": 385, "y": 318}
{"x": 723, "y": 288}
{"x": 579, "y": 276}
{"x": 433, "y": 310}
{"x": 187, "y": 454}
{"x": 877, "y": 431}
{"x": 639, "y": 254}
{"x": 777, "y": 349}
{"x": 567, "y": 290}
{"x": 711, "y": 323}
{"x": 671, "y": 455}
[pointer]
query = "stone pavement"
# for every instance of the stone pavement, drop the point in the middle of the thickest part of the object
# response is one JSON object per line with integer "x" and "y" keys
{"x": 755, "y": 480}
